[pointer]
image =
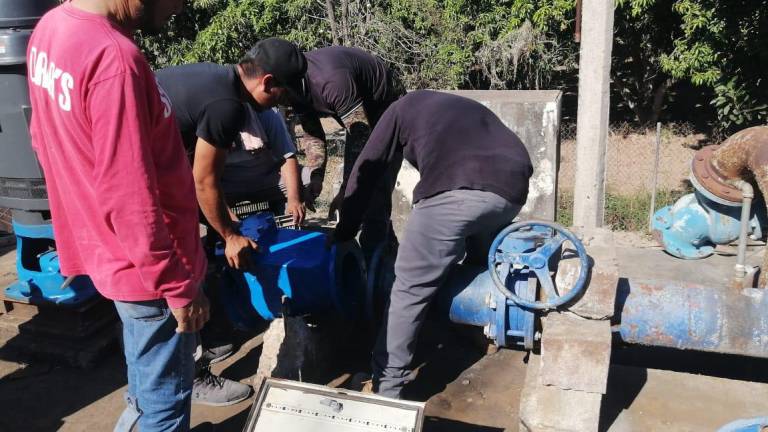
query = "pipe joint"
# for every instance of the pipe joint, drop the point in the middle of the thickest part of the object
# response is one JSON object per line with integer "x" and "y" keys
{"x": 747, "y": 191}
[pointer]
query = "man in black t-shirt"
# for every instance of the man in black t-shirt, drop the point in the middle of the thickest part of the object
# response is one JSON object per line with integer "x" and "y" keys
{"x": 474, "y": 180}
{"x": 354, "y": 88}
{"x": 235, "y": 141}
{"x": 211, "y": 103}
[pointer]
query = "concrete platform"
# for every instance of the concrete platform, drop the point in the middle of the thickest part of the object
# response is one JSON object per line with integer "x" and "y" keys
{"x": 641, "y": 258}
{"x": 465, "y": 390}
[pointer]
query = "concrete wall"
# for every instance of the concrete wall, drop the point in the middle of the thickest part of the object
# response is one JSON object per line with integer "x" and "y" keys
{"x": 535, "y": 117}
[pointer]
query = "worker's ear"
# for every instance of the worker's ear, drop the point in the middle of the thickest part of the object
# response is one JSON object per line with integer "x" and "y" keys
{"x": 268, "y": 82}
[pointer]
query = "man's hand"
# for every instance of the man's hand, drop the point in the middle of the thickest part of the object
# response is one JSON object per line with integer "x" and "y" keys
{"x": 192, "y": 317}
{"x": 335, "y": 205}
{"x": 237, "y": 249}
{"x": 296, "y": 209}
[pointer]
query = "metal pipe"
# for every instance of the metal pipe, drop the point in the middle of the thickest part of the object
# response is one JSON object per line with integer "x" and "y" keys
{"x": 693, "y": 317}
{"x": 652, "y": 210}
{"x": 740, "y": 269}
{"x": 744, "y": 155}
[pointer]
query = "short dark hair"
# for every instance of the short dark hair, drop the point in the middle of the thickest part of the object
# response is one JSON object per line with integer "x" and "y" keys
{"x": 250, "y": 68}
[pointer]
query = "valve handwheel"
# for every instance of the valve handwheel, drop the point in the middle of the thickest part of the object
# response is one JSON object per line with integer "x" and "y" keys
{"x": 552, "y": 236}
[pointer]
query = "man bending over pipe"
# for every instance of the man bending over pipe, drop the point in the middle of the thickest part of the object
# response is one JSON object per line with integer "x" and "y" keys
{"x": 211, "y": 104}
{"x": 237, "y": 144}
{"x": 354, "y": 88}
{"x": 474, "y": 181}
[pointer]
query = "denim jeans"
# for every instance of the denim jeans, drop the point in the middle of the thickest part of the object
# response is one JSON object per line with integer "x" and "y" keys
{"x": 161, "y": 368}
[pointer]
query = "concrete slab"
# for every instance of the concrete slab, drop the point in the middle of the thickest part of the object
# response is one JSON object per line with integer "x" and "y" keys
{"x": 598, "y": 300}
{"x": 575, "y": 353}
{"x": 552, "y": 409}
{"x": 657, "y": 400}
{"x": 654, "y": 263}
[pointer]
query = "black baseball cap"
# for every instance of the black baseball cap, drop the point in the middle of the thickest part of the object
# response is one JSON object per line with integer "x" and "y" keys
{"x": 283, "y": 60}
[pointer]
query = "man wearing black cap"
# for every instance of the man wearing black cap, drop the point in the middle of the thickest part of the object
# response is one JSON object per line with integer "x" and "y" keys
{"x": 354, "y": 88}
{"x": 211, "y": 104}
{"x": 221, "y": 111}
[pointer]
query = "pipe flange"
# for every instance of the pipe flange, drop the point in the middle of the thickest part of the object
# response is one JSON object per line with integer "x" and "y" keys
{"x": 710, "y": 182}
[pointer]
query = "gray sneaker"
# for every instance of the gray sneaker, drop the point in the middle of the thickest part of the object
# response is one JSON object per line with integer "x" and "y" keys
{"x": 216, "y": 354}
{"x": 209, "y": 389}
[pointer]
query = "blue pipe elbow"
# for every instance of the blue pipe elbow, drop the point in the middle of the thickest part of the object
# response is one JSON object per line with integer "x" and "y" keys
{"x": 695, "y": 224}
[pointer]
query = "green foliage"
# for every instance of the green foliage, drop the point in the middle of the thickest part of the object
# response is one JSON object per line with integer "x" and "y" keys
{"x": 723, "y": 47}
{"x": 508, "y": 44}
{"x": 736, "y": 106}
{"x": 222, "y": 30}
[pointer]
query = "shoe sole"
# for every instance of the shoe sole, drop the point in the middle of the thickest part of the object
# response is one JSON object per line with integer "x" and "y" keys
{"x": 223, "y": 404}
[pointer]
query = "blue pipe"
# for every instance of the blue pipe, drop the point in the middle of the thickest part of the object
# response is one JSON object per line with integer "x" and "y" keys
{"x": 693, "y": 317}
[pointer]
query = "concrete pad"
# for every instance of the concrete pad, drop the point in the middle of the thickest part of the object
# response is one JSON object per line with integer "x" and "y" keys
{"x": 286, "y": 343}
{"x": 575, "y": 353}
{"x": 599, "y": 297}
{"x": 552, "y": 409}
{"x": 483, "y": 398}
{"x": 657, "y": 400}
{"x": 654, "y": 263}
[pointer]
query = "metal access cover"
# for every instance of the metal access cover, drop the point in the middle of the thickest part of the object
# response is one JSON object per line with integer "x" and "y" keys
{"x": 283, "y": 405}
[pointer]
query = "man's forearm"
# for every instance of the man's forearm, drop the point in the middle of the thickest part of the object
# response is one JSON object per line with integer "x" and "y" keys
{"x": 313, "y": 143}
{"x": 291, "y": 178}
{"x": 214, "y": 209}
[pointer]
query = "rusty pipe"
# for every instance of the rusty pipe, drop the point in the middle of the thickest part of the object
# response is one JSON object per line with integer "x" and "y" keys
{"x": 744, "y": 156}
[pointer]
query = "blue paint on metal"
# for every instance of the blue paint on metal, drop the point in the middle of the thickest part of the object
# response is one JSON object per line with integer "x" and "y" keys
{"x": 757, "y": 424}
{"x": 532, "y": 244}
{"x": 520, "y": 256}
{"x": 278, "y": 247}
{"x": 692, "y": 227}
{"x": 694, "y": 317}
{"x": 468, "y": 297}
{"x": 293, "y": 267}
{"x": 39, "y": 273}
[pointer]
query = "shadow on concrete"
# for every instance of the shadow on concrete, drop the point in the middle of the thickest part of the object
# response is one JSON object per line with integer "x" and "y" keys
{"x": 701, "y": 363}
{"x": 624, "y": 384}
{"x": 246, "y": 366}
{"x": 444, "y": 352}
{"x": 40, "y": 395}
{"x": 231, "y": 424}
{"x": 438, "y": 424}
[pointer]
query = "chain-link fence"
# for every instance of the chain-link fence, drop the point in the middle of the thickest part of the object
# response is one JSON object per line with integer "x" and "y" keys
{"x": 629, "y": 170}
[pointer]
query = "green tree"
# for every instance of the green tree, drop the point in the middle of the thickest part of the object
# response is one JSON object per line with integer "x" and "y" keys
{"x": 723, "y": 46}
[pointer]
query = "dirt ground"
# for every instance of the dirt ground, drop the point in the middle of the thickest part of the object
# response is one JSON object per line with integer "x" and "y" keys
{"x": 465, "y": 390}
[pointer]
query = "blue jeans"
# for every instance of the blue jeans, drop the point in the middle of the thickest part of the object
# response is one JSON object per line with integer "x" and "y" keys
{"x": 161, "y": 368}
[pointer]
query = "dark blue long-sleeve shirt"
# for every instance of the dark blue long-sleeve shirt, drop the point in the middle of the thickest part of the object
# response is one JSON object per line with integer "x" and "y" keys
{"x": 454, "y": 143}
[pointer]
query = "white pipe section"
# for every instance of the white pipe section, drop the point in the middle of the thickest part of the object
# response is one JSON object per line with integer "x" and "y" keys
{"x": 740, "y": 269}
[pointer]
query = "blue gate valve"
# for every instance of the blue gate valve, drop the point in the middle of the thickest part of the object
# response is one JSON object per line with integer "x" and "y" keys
{"x": 292, "y": 273}
{"x": 550, "y": 237}
{"x": 502, "y": 297}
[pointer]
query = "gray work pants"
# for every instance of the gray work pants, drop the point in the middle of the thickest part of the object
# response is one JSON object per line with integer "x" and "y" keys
{"x": 440, "y": 230}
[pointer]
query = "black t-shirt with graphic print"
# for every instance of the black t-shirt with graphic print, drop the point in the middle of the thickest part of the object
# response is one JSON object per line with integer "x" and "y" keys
{"x": 206, "y": 101}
